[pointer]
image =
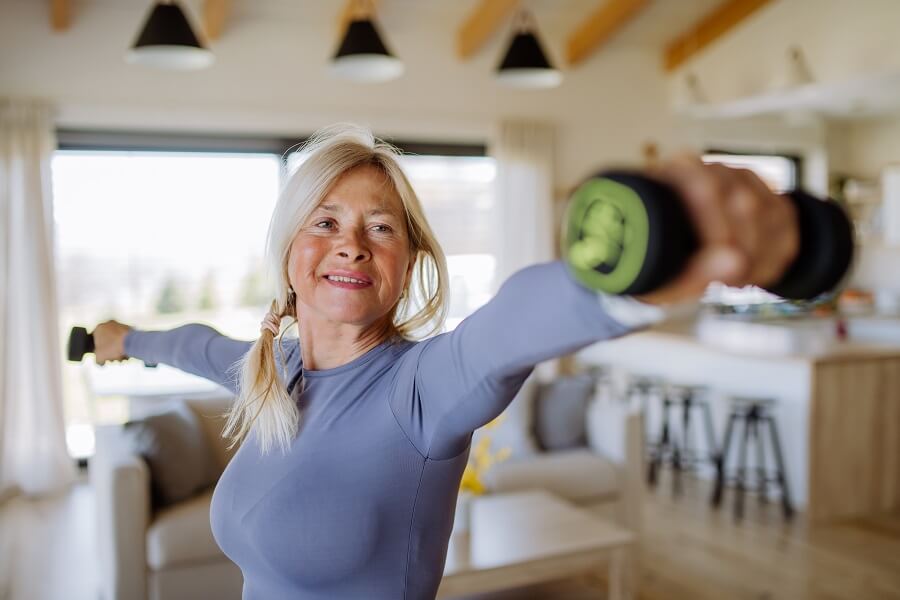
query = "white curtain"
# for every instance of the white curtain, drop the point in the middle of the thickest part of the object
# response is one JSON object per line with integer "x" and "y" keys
{"x": 33, "y": 456}
{"x": 524, "y": 153}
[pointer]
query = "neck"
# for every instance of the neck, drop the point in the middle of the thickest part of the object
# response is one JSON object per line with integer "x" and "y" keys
{"x": 326, "y": 345}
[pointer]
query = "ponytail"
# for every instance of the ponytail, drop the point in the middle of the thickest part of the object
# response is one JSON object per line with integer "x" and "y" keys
{"x": 263, "y": 401}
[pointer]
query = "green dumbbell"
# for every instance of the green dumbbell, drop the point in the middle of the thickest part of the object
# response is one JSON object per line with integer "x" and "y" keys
{"x": 625, "y": 233}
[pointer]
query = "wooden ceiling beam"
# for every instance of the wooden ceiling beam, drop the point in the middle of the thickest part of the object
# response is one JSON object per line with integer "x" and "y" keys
{"x": 215, "y": 14}
{"x": 481, "y": 24}
{"x": 714, "y": 25}
{"x": 608, "y": 19}
{"x": 60, "y": 14}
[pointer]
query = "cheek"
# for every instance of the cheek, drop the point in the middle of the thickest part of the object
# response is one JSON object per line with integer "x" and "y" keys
{"x": 303, "y": 261}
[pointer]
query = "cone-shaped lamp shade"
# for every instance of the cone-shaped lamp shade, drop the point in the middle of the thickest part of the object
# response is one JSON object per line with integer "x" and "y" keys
{"x": 167, "y": 41}
{"x": 526, "y": 65}
{"x": 362, "y": 55}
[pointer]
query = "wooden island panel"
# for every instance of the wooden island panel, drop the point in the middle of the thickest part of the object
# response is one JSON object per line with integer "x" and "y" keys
{"x": 854, "y": 438}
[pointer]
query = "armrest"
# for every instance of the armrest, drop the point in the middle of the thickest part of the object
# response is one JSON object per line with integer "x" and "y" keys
{"x": 121, "y": 483}
{"x": 615, "y": 430}
{"x": 633, "y": 489}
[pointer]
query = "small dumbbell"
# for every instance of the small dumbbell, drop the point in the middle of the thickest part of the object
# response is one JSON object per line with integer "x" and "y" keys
{"x": 626, "y": 233}
{"x": 81, "y": 342}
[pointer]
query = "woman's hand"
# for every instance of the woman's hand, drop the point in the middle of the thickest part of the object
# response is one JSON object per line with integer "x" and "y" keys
{"x": 747, "y": 234}
{"x": 109, "y": 341}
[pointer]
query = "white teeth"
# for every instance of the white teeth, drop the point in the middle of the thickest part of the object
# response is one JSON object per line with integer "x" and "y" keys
{"x": 343, "y": 279}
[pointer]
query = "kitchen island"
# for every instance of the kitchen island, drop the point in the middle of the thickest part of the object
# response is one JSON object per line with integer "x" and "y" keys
{"x": 838, "y": 402}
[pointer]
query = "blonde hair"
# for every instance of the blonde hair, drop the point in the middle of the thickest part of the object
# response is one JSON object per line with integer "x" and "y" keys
{"x": 263, "y": 403}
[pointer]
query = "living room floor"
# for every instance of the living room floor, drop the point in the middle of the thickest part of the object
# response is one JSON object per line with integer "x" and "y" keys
{"x": 688, "y": 552}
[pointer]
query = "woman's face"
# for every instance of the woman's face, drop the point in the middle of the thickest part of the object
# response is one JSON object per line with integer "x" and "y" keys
{"x": 351, "y": 258}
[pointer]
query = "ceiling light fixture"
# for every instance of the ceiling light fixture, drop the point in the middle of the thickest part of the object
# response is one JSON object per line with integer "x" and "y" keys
{"x": 362, "y": 55}
{"x": 167, "y": 41}
{"x": 525, "y": 63}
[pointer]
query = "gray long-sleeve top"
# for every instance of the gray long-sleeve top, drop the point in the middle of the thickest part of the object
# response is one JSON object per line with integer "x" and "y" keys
{"x": 362, "y": 505}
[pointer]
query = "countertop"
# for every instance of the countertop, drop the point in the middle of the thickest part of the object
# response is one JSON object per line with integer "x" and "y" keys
{"x": 808, "y": 339}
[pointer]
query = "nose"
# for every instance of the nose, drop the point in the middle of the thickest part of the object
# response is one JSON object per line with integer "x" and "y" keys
{"x": 353, "y": 246}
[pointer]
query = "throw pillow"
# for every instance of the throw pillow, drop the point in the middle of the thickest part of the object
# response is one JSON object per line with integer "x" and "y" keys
{"x": 175, "y": 449}
{"x": 560, "y": 412}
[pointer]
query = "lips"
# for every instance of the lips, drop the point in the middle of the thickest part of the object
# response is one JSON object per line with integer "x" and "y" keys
{"x": 348, "y": 277}
{"x": 348, "y": 280}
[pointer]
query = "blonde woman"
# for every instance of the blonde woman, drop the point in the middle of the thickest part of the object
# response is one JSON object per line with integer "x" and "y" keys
{"x": 355, "y": 435}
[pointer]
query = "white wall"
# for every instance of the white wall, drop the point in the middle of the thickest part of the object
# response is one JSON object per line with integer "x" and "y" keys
{"x": 270, "y": 78}
{"x": 871, "y": 145}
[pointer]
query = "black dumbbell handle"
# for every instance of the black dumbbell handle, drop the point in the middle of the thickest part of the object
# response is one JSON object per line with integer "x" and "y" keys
{"x": 81, "y": 342}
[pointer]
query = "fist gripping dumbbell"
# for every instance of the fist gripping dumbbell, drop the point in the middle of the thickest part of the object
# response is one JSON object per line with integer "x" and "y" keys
{"x": 626, "y": 233}
{"x": 81, "y": 342}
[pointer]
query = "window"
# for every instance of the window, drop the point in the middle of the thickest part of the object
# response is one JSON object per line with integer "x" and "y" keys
{"x": 157, "y": 239}
{"x": 781, "y": 174}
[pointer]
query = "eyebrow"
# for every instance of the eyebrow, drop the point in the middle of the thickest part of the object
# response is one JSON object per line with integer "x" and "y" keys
{"x": 332, "y": 208}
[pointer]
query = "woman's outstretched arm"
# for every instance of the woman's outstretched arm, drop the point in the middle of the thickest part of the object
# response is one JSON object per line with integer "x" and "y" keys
{"x": 747, "y": 235}
{"x": 197, "y": 349}
{"x": 465, "y": 378}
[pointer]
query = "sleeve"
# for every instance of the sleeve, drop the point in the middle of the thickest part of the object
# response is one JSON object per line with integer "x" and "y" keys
{"x": 467, "y": 377}
{"x": 194, "y": 348}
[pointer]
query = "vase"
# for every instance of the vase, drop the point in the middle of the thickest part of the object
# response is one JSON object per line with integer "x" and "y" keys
{"x": 463, "y": 512}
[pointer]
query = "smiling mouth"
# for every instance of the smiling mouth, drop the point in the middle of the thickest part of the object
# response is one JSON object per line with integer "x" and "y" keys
{"x": 344, "y": 279}
{"x": 347, "y": 282}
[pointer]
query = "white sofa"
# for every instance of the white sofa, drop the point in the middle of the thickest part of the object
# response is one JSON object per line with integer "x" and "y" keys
{"x": 171, "y": 554}
{"x": 167, "y": 555}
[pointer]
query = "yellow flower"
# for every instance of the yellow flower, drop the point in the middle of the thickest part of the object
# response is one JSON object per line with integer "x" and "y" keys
{"x": 480, "y": 460}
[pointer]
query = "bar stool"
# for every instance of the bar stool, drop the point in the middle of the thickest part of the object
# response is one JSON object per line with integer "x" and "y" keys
{"x": 643, "y": 387}
{"x": 681, "y": 455}
{"x": 752, "y": 413}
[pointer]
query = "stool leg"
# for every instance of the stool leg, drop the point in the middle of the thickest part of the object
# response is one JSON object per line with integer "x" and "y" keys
{"x": 742, "y": 466}
{"x": 677, "y": 464}
{"x": 721, "y": 462}
{"x": 758, "y": 441}
{"x": 686, "y": 409}
{"x": 711, "y": 446}
{"x": 657, "y": 454}
{"x": 781, "y": 474}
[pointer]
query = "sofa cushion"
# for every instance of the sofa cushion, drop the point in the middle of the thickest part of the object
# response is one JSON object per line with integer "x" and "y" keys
{"x": 560, "y": 412}
{"x": 515, "y": 429}
{"x": 576, "y": 475}
{"x": 175, "y": 448}
{"x": 182, "y": 534}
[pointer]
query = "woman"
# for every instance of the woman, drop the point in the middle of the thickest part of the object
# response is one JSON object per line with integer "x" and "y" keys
{"x": 374, "y": 427}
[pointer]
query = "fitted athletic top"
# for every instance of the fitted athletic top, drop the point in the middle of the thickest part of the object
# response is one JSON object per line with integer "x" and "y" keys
{"x": 362, "y": 505}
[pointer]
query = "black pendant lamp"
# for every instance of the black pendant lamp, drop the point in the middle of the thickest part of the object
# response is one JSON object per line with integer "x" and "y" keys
{"x": 525, "y": 63}
{"x": 362, "y": 55}
{"x": 167, "y": 41}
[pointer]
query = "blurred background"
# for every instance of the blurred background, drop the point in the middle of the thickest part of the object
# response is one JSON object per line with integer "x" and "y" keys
{"x": 139, "y": 173}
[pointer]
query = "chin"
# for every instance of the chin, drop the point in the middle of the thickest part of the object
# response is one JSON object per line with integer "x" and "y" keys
{"x": 351, "y": 317}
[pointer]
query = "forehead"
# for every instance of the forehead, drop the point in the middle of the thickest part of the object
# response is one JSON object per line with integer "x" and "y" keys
{"x": 365, "y": 189}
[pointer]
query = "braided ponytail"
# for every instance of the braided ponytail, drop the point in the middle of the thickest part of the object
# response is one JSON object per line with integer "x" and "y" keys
{"x": 263, "y": 401}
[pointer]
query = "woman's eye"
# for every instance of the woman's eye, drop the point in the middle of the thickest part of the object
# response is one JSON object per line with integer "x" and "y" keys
{"x": 382, "y": 228}
{"x": 320, "y": 223}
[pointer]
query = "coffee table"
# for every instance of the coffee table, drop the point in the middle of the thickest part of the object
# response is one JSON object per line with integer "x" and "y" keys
{"x": 532, "y": 537}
